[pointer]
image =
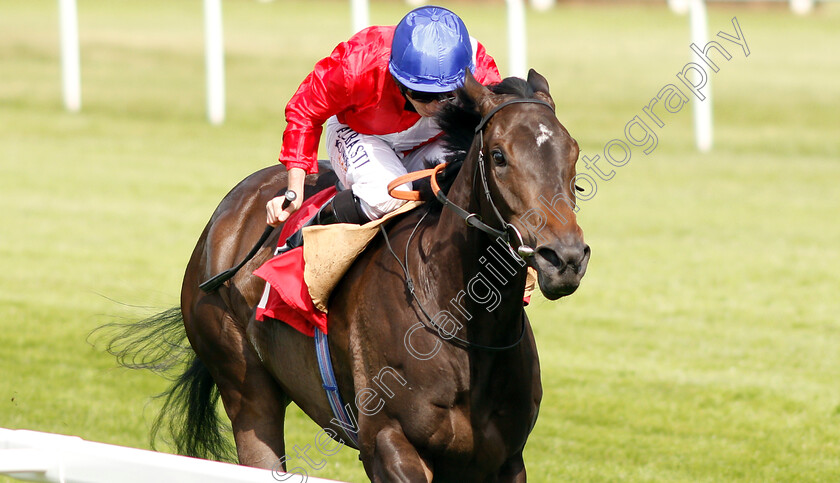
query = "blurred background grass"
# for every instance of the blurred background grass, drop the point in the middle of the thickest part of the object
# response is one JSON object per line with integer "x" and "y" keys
{"x": 702, "y": 345}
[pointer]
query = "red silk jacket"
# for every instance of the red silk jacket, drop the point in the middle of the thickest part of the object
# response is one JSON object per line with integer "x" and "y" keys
{"x": 355, "y": 85}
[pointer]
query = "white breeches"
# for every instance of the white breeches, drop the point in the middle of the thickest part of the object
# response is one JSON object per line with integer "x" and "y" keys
{"x": 367, "y": 163}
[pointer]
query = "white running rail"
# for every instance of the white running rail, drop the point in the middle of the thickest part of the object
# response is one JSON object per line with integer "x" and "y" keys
{"x": 47, "y": 457}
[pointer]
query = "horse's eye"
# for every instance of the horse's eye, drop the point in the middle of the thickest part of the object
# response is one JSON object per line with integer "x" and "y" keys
{"x": 579, "y": 189}
{"x": 498, "y": 158}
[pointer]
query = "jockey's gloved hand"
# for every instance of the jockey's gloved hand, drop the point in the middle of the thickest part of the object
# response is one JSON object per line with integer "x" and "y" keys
{"x": 275, "y": 213}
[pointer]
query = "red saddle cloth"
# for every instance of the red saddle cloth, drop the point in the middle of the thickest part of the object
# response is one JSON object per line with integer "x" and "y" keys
{"x": 287, "y": 297}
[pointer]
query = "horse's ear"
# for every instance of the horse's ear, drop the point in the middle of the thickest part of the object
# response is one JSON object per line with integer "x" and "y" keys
{"x": 537, "y": 82}
{"x": 479, "y": 94}
{"x": 540, "y": 86}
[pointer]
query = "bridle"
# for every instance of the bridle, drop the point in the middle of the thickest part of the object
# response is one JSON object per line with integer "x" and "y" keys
{"x": 471, "y": 219}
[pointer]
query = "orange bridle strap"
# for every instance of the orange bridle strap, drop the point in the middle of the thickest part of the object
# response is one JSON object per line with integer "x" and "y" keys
{"x": 414, "y": 195}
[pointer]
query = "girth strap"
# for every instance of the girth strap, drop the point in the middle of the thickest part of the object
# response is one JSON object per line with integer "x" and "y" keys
{"x": 340, "y": 411}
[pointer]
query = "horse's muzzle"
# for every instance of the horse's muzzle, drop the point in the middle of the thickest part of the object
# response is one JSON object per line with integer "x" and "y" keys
{"x": 561, "y": 267}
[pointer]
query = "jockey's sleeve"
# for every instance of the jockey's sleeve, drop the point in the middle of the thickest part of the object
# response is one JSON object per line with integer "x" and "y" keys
{"x": 324, "y": 93}
{"x": 330, "y": 89}
{"x": 486, "y": 71}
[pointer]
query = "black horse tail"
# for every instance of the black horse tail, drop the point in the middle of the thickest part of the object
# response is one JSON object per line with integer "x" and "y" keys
{"x": 189, "y": 413}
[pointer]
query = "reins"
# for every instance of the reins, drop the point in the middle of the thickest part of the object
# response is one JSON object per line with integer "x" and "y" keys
{"x": 470, "y": 219}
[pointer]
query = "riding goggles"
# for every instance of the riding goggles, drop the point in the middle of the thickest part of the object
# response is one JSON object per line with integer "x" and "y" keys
{"x": 427, "y": 97}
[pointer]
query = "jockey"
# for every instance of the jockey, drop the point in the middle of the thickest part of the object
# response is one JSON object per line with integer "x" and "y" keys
{"x": 378, "y": 93}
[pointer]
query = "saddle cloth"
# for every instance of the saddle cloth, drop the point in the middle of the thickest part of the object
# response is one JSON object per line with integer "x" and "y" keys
{"x": 299, "y": 281}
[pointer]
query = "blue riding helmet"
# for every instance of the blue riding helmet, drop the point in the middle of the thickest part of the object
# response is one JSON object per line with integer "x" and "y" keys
{"x": 430, "y": 50}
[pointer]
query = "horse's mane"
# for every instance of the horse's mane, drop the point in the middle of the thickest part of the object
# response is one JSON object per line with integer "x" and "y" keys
{"x": 458, "y": 121}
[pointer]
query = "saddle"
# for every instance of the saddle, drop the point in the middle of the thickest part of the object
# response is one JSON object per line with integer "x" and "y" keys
{"x": 299, "y": 281}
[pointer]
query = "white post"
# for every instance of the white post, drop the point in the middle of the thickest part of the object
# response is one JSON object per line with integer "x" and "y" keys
{"x": 71, "y": 81}
{"x": 543, "y": 5}
{"x": 702, "y": 109}
{"x": 361, "y": 14}
{"x": 517, "y": 49}
{"x": 215, "y": 60}
{"x": 802, "y": 7}
{"x": 679, "y": 7}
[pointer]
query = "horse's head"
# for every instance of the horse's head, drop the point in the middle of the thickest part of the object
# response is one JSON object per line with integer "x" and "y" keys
{"x": 529, "y": 160}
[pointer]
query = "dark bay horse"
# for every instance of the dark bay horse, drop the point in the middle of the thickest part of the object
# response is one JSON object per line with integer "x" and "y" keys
{"x": 442, "y": 382}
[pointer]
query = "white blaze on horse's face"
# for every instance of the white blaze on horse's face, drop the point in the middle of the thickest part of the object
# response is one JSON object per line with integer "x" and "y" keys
{"x": 544, "y": 135}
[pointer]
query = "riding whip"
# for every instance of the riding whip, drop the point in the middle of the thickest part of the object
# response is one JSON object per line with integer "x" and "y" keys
{"x": 215, "y": 282}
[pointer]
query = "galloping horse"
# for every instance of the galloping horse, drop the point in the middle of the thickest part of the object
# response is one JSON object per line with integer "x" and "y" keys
{"x": 441, "y": 375}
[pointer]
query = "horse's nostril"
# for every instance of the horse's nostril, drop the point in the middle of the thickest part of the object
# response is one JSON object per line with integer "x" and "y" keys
{"x": 562, "y": 257}
{"x": 550, "y": 256}
{"x": 583, "y": 259}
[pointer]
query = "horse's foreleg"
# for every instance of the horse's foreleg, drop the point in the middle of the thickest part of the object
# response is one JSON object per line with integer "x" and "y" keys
{"x": 254, "y": 402}
{"x": 395, "y": 459}
{"x": 513, "y": 470}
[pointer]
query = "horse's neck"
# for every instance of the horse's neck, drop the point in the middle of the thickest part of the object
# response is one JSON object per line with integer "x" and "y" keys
{"x": 489, "y": 280}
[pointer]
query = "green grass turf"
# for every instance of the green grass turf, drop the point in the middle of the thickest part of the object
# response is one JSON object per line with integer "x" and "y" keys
{"x": 701, "y": 346}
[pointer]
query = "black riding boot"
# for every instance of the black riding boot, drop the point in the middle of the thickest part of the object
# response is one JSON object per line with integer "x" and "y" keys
{"x": 343, "y": 208}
